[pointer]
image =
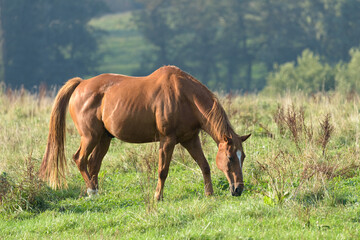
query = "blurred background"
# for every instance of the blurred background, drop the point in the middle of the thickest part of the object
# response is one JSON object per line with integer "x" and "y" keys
{"x": 229, "y": 45}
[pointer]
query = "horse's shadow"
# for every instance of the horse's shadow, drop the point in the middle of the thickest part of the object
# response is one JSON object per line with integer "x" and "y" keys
{"x": 74, "y": 199}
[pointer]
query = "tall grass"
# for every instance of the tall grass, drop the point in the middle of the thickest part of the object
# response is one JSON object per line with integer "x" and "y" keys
{"x": 302, "y": 157}
{"x": 299, "y": 144}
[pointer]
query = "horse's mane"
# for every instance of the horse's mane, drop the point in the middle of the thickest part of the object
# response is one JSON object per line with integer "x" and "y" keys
{"x": 216, "y": 118}
{"x": 218, "y": 121}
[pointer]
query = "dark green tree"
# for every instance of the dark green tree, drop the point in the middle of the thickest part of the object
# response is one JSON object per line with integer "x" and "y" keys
{"x": 122, "y": 5}
{"x": 183, "y": 32}
{"x": 341, "y": 28}
{"x": 233, "y": 44}
{"x": 333, "y": 25}
{"x": 48, "y": 41}
{"x": 236, "y": 48}
{"x": 153, "y": 23}
{"x": 196, "y": 24}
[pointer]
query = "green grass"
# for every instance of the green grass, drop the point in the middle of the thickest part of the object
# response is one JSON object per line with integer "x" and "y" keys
{"x": 213, "y": 218}
{"x": 323, "y": 206}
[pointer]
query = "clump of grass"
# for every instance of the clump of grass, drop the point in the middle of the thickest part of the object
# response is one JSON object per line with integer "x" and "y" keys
{"x": 304, "y": 214}
{"x": 282, "y": 177}
{"x": 5, "y": 186}
{"x": 42, "y": 93}
{"x": 292, "y": 120}
{"x": 148, "y": 181}
{"x": 23, "y": 194}
{"x": 145, "y": 163}
{"x": 304, "y": 174}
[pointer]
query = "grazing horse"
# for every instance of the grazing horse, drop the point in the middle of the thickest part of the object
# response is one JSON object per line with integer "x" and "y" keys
{"x": 169, "y": 106}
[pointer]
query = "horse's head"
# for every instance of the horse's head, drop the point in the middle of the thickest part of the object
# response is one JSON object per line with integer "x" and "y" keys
{"x": 230, "y": 159}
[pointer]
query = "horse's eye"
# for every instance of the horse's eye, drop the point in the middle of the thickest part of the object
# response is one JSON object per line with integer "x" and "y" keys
{"x": 231, "y": 158}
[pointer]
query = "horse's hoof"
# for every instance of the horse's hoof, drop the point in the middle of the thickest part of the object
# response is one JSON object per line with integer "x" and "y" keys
{"x": 208, "y": 194}
{"x": 158, "y": 197}
{"x": 92, "y": 192}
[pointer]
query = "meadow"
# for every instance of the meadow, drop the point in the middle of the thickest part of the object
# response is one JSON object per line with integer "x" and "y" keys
{"x": 302, "y": 170}
{"x": 302, "y": 177}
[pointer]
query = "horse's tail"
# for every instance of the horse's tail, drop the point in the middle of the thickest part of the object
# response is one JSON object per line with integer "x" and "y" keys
{"x": 54, "y": 166}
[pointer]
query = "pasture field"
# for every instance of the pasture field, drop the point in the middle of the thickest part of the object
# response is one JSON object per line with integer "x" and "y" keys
{"x": 302, "y": 177}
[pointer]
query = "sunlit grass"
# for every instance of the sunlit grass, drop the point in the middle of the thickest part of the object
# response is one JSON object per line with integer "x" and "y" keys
{"x": 291, "y": 205}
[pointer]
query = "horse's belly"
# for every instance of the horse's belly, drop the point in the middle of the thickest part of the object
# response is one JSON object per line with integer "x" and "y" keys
{"x": 134, "y": 128}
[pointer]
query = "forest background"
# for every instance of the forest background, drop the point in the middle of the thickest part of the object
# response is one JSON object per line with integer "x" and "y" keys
{"x": 238, "y": 46}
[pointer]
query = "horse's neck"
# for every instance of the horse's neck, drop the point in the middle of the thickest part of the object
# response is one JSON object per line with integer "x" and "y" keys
{"x": 209, "y": 131}
{"x": 206, "y": 106}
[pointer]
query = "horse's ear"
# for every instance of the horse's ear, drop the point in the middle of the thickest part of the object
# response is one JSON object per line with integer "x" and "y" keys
{"x": 243, "y": 138}
{"x": 227, "y": 139}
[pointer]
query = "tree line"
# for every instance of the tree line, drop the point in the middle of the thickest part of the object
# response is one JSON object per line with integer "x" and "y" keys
{"x": 228, "y": 44}
{"x": 47, "y": 41}
{"x": 233, "y": 44}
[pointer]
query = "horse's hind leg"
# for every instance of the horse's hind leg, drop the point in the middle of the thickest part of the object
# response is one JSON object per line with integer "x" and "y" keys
{"x": 193, "y": 146}
{"x": 96, "y": 158}
{"x": 87, "y": 145}
{"x": 167, "y": 145}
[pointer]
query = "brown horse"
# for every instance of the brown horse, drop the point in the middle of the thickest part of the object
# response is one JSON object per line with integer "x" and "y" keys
{"x": 169, "y": 106}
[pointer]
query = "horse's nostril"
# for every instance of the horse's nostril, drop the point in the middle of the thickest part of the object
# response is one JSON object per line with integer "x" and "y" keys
{"x": 238, "y": 191}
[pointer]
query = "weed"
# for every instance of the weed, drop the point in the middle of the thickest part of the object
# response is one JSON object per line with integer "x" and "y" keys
{"x": 303, "y": 175}
{"x": 293, "y": 120}
{"x": 304, "y": 214}
{"x": 26, "y": 194}
{"x": 145, "y": 162}
{"x": 326, "y": 130}
{"x": 42, "y": 93}
{"x": 280, "y": 179}
{"x": 5, "y": 186}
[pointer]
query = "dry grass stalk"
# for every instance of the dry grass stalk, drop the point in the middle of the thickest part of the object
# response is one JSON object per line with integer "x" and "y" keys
{"x": 293, "y": 120}
{"x": 326, "y": 130}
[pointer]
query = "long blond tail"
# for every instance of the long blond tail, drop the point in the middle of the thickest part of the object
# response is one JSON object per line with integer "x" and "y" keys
{"x": 54, "y": 166}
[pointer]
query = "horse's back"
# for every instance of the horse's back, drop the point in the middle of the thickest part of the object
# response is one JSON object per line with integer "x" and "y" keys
{"x": 136, "y": 109}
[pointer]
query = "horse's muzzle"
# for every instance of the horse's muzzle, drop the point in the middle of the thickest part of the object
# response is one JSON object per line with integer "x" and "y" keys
{"x": 236, "y": 191}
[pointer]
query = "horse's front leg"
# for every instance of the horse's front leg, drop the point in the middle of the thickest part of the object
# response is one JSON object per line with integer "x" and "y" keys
{"x": 167, "y": 145}
{"x": 193, "y": 146}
